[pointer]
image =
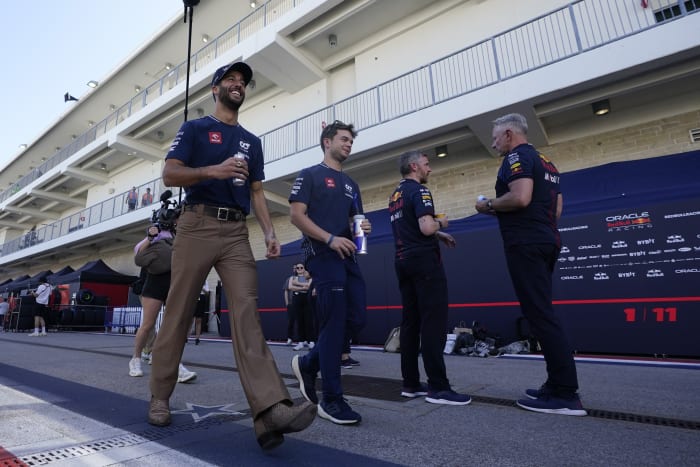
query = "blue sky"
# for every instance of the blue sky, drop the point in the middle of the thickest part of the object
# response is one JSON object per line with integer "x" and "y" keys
{"x": 52, "y": 47}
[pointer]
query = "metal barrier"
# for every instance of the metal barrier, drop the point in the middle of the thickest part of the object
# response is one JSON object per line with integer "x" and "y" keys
{"x": 123, "y": 320}
{"x": 127, "y": 319}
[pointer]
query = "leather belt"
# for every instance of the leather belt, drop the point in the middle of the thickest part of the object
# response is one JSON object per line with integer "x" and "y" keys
{"x": 221, "y": 214}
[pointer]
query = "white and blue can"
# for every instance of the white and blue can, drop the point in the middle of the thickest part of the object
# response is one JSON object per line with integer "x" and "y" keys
{"x": 358, "y": 234}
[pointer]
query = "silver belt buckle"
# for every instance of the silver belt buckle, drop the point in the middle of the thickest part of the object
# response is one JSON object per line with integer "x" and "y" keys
{"x": 219, "y": 214}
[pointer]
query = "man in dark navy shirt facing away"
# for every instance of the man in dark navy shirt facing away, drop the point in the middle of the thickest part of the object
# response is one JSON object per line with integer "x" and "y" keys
{"x": 422, "y": 282}
{"x": 528, "y": 204}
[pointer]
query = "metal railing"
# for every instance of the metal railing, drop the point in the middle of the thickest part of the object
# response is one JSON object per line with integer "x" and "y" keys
{"x": 103, "y": 211}
{"x": 578, "y": 27}
{"x": 568, "y": 31}
{"x": 248, "y": 26}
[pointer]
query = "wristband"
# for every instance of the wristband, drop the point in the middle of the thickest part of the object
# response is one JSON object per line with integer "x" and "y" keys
{"x": 330, "y": 240}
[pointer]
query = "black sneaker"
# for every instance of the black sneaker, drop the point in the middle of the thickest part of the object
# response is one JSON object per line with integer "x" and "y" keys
{"x": 338, "y": 412}
{"x": 307, "y": 380}
{"x": 346, "y": 364}
{"x": 544, "y": 390}
{"x": 418, "y": 391}
{"x": 549, "y": 403}
{"x": 447, "y": 397}
{"x": 352, "y": 361}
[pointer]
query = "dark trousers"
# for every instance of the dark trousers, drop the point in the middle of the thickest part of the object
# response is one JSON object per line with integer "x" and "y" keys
{"x": 341, "y": 304}
{"x": 291, "y": 322}
{"x": 423, "y": 287}
{"x": 301, "y": 307}
{"x": 531, "y": 268}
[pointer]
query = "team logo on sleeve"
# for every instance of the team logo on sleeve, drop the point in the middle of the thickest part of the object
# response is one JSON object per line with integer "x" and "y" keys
{"x": 215, "y": 137}
{"x": 243, "y": 144}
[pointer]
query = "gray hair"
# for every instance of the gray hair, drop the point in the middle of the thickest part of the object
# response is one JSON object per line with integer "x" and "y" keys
{"x": 408, "y": 158}
{"x": 513, "y": 121}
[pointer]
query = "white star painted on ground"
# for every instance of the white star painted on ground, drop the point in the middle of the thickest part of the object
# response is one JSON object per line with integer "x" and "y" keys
{"x": 200, "y": 412}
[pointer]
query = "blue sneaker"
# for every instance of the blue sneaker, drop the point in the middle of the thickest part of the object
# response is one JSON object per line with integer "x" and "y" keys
{"x": 418, "y": 391}
{"x": 544, "y": 390}
{"x": 307, "y": 380}
{"x": 348, "y": 363}
{"x": 338, "y": 412}
{"x": 447, "y": 397}
{"x": 549, "y": 403}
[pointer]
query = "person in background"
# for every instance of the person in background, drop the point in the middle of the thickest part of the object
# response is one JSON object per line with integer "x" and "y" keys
{"x": 422, "y": 282}
{"x": 212, "y": 232}
{"x": 4, "y": 313}
{"x": 528, "y": 205}
{"x": 153, "y": 254}
{"x": 323, "y": 201}
{"x": 201, "y": 311}
{"x": 147, "y": 198}
{"x": 300, "y": 285}
{"x": 132, "y": 198}
{"x": 291, "y": 318}
{"x": 41, "y": 308}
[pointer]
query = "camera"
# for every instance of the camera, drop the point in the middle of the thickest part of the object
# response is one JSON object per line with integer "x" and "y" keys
{"x": 165, "y": 218}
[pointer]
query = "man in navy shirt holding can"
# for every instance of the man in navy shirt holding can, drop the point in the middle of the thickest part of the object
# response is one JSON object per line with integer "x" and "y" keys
{"x": 212, "y": 232}
{"x": 323, "y": 202}
{"x": 528, "y": 205}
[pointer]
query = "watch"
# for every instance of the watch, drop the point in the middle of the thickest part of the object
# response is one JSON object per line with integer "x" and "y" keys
{"x": 489, "y": 204}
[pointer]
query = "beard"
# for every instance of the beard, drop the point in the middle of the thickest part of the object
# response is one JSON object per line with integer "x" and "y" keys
{"x": 228, "y": 102}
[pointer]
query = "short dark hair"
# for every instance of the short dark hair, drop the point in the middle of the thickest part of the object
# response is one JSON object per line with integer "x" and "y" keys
{"x": 408, "y": 158}
{"x": 329, "y": 131}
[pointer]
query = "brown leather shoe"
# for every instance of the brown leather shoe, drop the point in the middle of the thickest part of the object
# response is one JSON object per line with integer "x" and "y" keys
{"x": 282, "y": 418}
{"x": 266, "y": 439}
{"x": 159, "y": 412}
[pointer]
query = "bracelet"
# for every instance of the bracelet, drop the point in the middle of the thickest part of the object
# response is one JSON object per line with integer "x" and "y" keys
{"x": 330, "y": 240}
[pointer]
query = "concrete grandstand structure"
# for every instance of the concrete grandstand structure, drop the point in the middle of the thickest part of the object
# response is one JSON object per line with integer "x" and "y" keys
{"x": 408, "y": 73}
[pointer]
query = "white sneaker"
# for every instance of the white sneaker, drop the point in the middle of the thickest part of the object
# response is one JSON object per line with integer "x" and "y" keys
{"x": 34, "y": 334}
{"x": 289, "y": 341}
{"x": 135, "y": 367}
{"x": 311, "y": 345}
{"x": 301, "y": 345}
{"x": 42, "y": 333}
{"x": 184, "y": 375}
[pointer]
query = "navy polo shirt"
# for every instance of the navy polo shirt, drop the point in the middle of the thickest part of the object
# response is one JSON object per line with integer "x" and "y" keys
{"x": 208, "y": 141}
{"x": 537, "y": 223}
{"x": 331, "y": 198}
{"x": 409, "y": 202}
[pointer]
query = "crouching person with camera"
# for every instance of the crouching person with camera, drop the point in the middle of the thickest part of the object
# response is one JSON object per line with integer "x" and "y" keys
{"x": 154, "y": 253}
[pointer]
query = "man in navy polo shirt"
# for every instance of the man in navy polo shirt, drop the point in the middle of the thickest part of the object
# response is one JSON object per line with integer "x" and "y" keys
{"x": 422, "y": 282}
{"x": 323, "y": 201}
{"x": 528, "y": 204}
{"x": 212, "y": 232}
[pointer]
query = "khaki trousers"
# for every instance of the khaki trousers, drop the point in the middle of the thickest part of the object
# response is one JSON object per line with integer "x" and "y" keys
{"x": 203, "y": 242}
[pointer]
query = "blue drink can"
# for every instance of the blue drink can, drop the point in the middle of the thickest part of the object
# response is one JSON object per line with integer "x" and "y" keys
{"x": 358, "y": 234}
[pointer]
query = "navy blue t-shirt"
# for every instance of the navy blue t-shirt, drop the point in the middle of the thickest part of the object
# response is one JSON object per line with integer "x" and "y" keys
{"x": 208, "y": 141}
{"x": 331, "y": 198}
{"x": 409, "y": 202}
{"x": 537, "y": 223}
